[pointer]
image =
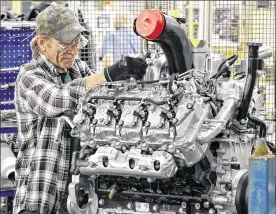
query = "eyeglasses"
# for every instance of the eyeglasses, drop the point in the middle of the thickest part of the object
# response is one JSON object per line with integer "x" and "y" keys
{"x": 80, "y": 43}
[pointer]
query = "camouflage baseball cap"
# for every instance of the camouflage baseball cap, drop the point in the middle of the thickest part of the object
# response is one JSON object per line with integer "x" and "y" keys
{"x": 59, "y": 22}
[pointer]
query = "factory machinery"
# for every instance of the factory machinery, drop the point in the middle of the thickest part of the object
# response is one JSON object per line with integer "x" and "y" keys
{"x": 176, "y": 142}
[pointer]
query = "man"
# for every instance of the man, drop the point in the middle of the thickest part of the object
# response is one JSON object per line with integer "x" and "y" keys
{"x": 121, "y": 41}
{"x": 46, "y": 88}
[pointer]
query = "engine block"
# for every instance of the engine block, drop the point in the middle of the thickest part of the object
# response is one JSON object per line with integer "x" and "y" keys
{"x": 175, "y": 142}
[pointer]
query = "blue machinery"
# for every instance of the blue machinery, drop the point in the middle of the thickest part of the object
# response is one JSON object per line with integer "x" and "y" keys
{"x": 261, "y": 196}
{"x": 262, "y": 185}
{"x": 15, "y": 51}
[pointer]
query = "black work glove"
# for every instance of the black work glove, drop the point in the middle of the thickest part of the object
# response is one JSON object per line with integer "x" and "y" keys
{"x": 125, "y": 69}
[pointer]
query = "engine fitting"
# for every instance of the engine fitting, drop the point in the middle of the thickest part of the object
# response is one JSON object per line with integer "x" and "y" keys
{"x": 170, "y": 145}
{"x": 157, "y": 27}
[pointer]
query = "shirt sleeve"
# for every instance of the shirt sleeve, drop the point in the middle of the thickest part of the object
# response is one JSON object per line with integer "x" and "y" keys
{"x": 46, "y": 98}
{"x": 107, "y": 45}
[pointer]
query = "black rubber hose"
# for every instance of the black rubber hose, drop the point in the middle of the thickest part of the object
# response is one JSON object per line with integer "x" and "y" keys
{"x": 271, "y": 146}
{"x": 237, "y": 130}
{"x": 175, "y": 45}
{"x": 231, "y": 60}
{"x": 248, "y": 90}
{"x": 260, "y": 123}
{"x": 223, "y": 67}
{"x": 253, "y": 65}
{"x": 147, "y": 82}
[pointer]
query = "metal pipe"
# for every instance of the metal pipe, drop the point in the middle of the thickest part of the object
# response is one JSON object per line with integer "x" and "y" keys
{"x": 172, "y": 39}
{"x": 260, "y": 123}
{"x": 224, "y": 115}
{"x": 265, "y": 53}
{"x": 9, "y": 69}
{"x": 253, "y": 54}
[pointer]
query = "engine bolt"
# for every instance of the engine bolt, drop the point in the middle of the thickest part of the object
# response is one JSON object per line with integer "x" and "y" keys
{"x": 149, "y": 133}
{"x": 169, "y": 115}
{"x": 144, "y": 145}
{"x": 129, "y": 205}
{"x": 242, "y": 138}
{"x": 197, "y": 206}
{"x": 160, "y": 125}
{"x": 171, "y": 148}
{"x": 189, "y": 106}
{"x": 143, "y": 168}
{"x": 184, "y": 205}
{"x": 174, "y": 121}
{"x": 91, "y": 164}
{"x": 147, "y": 123}
{"x": 206, "y": 204}
{"x": 91, "y": 142}
{"x": 115, "y": 112}
{"x": 82, "y": 136}
{"x": 121, "y": 122}
{"x": 150, "y": 180}
{"x": 242, "y": 121}
{"x": 211, "y": 211}
{"x": 142, "y": 114}
{"x": 155, "y": 207}
{"x": 95, "y": 121}
{"x": 101, "y": 202}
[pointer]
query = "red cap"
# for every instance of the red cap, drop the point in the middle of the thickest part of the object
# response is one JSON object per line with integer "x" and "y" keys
{"x": 150, "y": 23}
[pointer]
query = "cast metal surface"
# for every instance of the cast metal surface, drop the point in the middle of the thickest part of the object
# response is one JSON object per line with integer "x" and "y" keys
{"x": 171, "y": 143}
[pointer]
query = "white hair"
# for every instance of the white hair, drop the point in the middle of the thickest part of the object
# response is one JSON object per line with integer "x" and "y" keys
{"x": 34, "y": 46}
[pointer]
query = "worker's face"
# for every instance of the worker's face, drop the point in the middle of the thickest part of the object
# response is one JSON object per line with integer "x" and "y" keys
{"x": 61, "y": 55}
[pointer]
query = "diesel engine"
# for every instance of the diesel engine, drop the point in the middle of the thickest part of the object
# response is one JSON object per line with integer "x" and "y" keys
{"x": 177, "y": 141}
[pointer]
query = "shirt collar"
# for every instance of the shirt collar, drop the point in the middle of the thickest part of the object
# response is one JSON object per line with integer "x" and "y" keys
{"x": 46, "y": 64}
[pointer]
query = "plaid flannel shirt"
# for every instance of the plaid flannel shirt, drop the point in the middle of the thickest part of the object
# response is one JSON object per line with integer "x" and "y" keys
{"x": 42, "y": 165}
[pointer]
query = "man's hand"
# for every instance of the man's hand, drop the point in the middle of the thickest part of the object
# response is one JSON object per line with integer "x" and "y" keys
{"x": 126, "y": 68}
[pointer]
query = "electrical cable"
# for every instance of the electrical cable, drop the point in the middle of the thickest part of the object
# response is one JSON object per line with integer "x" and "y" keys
{"x": 225, "y": 65}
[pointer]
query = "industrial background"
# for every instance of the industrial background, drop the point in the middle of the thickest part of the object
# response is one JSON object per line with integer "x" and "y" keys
{"x": 225, "y": 26}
